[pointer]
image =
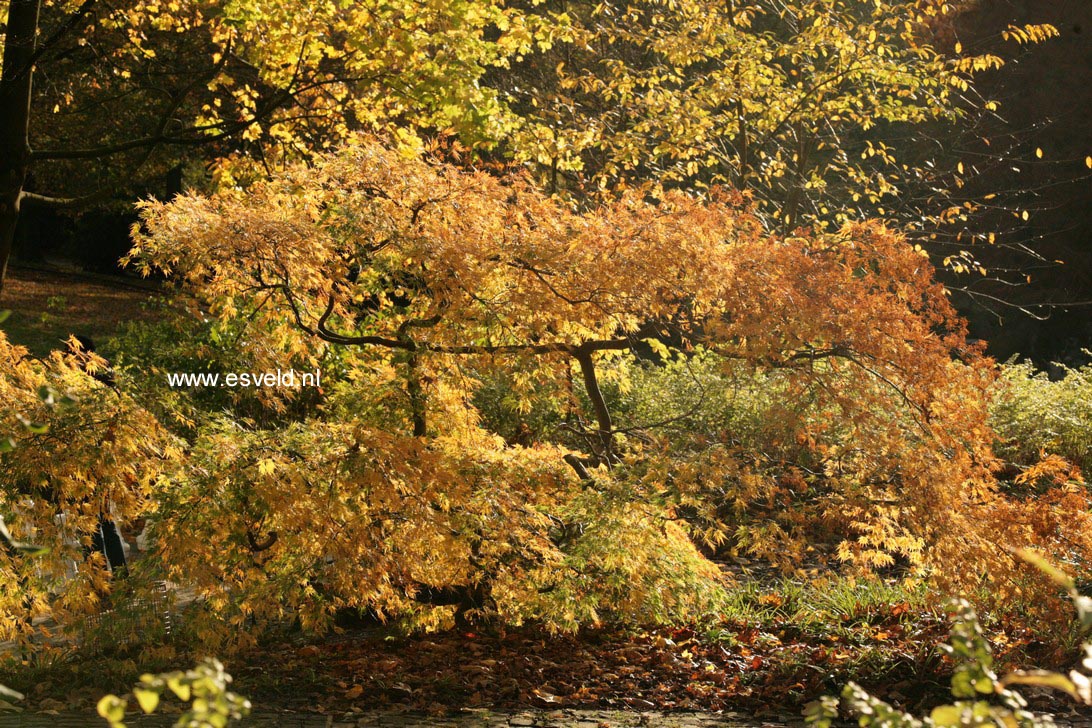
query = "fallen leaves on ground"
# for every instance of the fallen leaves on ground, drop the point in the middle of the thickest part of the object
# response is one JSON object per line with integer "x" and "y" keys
{"x": 745, "y": 667}
{"x": 754, "y": 668}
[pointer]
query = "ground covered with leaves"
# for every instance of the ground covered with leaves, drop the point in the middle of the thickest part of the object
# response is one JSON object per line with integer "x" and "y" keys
{"x": 759, "y": 669}
{"x": 675, "y": 669}
{"x": 48, "y": 306}
{"x": 786, "y": 647}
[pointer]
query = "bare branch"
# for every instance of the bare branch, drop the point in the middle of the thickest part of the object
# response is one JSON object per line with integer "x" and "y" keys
{"x": 65, "y": 203}
{"x": 70, "y": 24}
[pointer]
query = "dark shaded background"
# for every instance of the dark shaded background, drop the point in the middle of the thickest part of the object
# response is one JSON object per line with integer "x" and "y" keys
{"x": 1045, "y": 95}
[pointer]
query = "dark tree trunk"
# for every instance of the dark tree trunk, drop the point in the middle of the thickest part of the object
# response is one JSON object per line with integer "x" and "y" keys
{"x": 584, "y": 357}
{"x": 16, "y": 80}
{"x": 9, "y": 218}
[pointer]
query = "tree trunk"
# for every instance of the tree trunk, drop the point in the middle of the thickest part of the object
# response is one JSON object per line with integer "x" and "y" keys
{"x": 16, "y": 80}
{"x": 9, "y": 217}
{"x": 585, "y": 358}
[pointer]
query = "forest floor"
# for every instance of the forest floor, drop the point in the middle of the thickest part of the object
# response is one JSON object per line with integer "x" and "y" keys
{"x": 782, "y": 647}
{"x": 745, "y": 675}
{"x": 396, "y": 719}
{"x": 49, "y": 305}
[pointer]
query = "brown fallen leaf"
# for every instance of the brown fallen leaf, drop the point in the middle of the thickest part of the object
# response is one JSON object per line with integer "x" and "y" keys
{"x": 546, "y": 697}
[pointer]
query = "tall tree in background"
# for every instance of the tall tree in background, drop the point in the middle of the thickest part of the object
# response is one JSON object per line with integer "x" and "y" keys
{"x": 99, "y": 98}
{"x": 824, "y": 111}
{"x": 15, "y": 92}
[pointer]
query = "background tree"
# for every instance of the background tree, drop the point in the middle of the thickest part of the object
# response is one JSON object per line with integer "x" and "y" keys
{"x": 1032, "y": 155}
{"x": 98, "y": 98}
{"x": 825, "y": 112}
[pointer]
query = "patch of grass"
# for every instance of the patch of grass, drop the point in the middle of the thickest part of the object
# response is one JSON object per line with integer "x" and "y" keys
{"x": 828, "y": 630}
{"x": 826, "y": 604}
{"x": 79, "y": 680}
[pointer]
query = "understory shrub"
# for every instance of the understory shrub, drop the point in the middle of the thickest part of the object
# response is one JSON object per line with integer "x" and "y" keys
{"x": 1034, "y": 414}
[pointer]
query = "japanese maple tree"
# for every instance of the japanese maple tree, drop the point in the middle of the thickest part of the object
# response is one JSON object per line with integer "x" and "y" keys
{"x": 428, "y": 276}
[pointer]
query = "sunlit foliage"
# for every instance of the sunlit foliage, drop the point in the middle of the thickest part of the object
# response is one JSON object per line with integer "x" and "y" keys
{"x": 437, "y": 278}
{"x": 1035, "y": 416}
{"x": 96, "y": 455}
{"x": 824, "y": 110}
{"x": 131, "y": 89}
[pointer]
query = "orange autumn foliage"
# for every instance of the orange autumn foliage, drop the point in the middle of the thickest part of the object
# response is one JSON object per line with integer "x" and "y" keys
{"x": 427, "y": 277}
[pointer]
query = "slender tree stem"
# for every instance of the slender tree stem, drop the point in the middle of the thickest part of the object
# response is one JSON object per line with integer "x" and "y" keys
{"x": 584, "y": 357}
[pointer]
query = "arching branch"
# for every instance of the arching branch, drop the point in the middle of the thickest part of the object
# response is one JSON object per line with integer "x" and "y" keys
{"x": 264, "y": 545}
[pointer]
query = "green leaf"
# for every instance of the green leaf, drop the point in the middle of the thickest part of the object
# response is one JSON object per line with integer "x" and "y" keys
{"x": 6, "y": 444}
{"x": 822, "y": 712}
{"x": 962, "y": 686}
{"x": 28, "y": 549}
{"x": 4, "y": 315}
{"x": 179, "y": 688}
{"x": 984, "y": 685}
{"x": 148, "y": 699}
{"x": 658, "y": 348}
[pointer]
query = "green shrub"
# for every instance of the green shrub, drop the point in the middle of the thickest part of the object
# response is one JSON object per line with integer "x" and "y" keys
{"x": 1033, "y": 414}
{"x": 710, "y": 399}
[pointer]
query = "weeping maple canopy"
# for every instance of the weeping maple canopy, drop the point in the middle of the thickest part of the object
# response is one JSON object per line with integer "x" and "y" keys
{"x": 379, "y": 248}
{"x": 434, "y": 274}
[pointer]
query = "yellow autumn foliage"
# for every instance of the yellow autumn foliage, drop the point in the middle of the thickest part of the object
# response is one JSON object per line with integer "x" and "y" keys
{"x": 390, "y": 494}
{"x": 83, "y": 451}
